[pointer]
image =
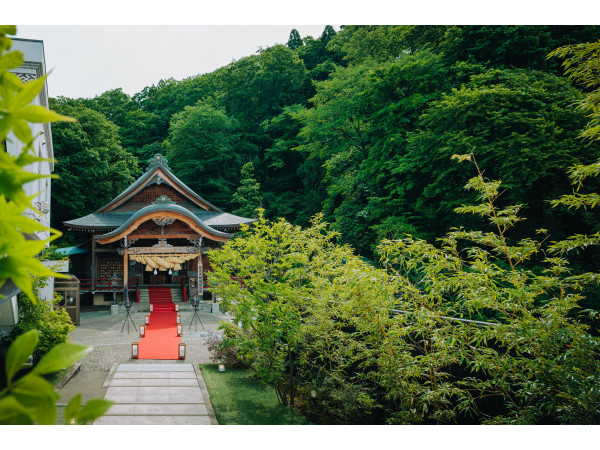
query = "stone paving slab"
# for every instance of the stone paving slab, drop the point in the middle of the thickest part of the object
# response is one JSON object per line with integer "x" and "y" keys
{"x": 155, "y": 375}
{"x": 166, "y": 409}
{"x": 153, "y": 420}
{"x": 157, "y": 394}
{"x": 155, "y": 368}
{"x": 191, "y": 381}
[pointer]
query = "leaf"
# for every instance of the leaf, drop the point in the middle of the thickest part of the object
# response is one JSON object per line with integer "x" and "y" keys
{"x": 8, "y": 29}
{"x": 19, "y": 352}
{"x": 13, "y": 413}
{"x": 45, "y": 410}
{"x": 11, "y": 60}
{"x": 21, "y": 129}
{"x": 72, "y": 409}
{"x": 28, "y": 92}
{"x": 32, "y": 389}
{"x": 93, "y": 409}
{"x": 59, "y": 357}
{"x": 36, "y": 113}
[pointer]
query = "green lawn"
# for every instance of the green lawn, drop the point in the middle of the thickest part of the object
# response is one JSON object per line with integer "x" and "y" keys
{"x": 239, "y": 399}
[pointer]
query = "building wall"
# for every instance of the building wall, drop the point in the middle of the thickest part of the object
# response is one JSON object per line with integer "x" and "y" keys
{"x": 34, "y": 66}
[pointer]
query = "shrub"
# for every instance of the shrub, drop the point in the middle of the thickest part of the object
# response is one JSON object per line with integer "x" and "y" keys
{"x": 223, "y": 352}
{"x": 54, "y": 325}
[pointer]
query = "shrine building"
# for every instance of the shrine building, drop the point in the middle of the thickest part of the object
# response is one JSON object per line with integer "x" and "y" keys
{"x": 157, "y": 232}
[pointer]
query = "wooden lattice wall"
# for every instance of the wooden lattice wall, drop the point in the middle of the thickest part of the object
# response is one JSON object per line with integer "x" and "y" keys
{"x": 151, "y": 193}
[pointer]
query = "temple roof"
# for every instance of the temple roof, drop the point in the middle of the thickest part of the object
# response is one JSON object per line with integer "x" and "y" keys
{"x": 118, "y": 212}
{"x": 163, "y": 206}
{"x": 108, "y": 221}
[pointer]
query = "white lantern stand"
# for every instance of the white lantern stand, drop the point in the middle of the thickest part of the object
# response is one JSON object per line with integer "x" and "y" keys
{"x": 151, "y": 307}
{"x": 147, "y": 320}
{"x": 178, "y": 319}
{"x": 179, "y": 330}
{"x": 181, "y": 350}
{"x": 176, "y": 308}
{"x": 134, "y": 350}
{"x": 142, "y": 331}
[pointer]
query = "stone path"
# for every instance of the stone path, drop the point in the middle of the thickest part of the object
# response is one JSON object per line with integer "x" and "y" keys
{"x": 157, "y": 394}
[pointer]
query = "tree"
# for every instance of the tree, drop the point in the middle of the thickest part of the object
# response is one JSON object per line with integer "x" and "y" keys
{"x": 582, "y": 66}
{"x": 357, "y": 130}
{"x": 247, "y": 196}
{"x": 518, "y": 46}
{"x": 460, "y": 332}
{"x": 285, "y": 190}
{"x": 54, "y": 324}
{"x": 203, "y": 151}
{"x": 281, "y": 272}
{"x": 92, "y": 166}
{"x": 294, "y": 40}
{"x": 113, "y": 104}
{"x": 523, "y": 128}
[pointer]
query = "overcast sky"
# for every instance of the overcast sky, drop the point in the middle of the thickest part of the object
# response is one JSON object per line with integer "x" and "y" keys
{"x": 91, "y": 59}
{"x": 88, "y": 57}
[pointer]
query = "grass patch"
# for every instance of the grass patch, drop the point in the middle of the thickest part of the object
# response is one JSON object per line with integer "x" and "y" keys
{"x": 238, "y": 399}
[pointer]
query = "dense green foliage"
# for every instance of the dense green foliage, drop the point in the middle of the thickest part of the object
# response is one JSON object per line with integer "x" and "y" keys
{"x": 359, "y": 123}
{"x": 460, "y": 332}
{"x": 247, "y": 196}
{"x": 17, "y": 254}
{"x": 92, "y": 166}
{"x": 54, "y": 324}
{"x": 203, "y": 140}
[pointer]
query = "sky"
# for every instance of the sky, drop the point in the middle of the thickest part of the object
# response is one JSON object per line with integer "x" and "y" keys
{"x": 94, "y": 47}
{"x": 87, "y": 60}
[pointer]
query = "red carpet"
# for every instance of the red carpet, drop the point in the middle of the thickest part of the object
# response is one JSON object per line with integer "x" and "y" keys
{"x": 161, "y": 340}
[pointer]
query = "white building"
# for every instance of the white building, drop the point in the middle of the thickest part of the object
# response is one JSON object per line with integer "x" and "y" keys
{"x": 34, "y": 66}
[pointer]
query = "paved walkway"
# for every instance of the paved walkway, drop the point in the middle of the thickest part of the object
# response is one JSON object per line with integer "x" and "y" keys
{"x": 157, "y": 394}
{"x": 111, "y": 348}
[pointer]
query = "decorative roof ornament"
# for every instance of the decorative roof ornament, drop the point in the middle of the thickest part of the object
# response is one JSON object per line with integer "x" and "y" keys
{"x": 158, "y": 160}
{"x": 163, "y": 200}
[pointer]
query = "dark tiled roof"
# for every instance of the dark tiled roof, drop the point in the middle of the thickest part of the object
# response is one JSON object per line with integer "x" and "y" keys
{"x": 164, "y": 207}
{"x": 110, "y": 221}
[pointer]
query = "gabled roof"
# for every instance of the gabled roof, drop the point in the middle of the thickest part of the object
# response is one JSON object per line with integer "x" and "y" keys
{"x": 110, "y": 221}
{"x": 158, "y": 172}
{"x": 113, "y": 216}
{"x": 164, "y": 205}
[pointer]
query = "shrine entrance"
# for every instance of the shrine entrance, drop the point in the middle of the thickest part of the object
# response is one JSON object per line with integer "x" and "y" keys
{"x": 160, "y": 278}
{"x": 156, "y": 232}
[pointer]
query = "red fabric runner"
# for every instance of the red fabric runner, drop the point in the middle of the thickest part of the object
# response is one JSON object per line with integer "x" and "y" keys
{"x": 161, "y": 340}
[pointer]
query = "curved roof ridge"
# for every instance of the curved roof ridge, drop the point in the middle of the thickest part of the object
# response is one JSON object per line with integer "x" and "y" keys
{"x": 166, "y": 207}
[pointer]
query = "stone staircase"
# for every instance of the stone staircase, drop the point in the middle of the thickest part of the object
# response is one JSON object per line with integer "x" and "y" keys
{"x": 176, "y": 296}
{"x": 144, "y": 304}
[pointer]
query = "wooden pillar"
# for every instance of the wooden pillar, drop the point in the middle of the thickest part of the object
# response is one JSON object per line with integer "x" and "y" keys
{"x": 93, "y": 262}
{"x": 199, "y": 274}
{"x": 125, "y": 275}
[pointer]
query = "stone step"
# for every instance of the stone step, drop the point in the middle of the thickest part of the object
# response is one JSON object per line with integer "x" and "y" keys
{"x": 157, "y": 394}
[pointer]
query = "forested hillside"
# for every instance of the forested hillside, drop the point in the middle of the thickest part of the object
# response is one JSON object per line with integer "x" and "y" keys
{"x": 358, "y": 124}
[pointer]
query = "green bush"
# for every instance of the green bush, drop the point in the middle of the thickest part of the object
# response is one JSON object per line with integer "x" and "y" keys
{"x": 54, "y": 324}
{"x": 51, "y": 253}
